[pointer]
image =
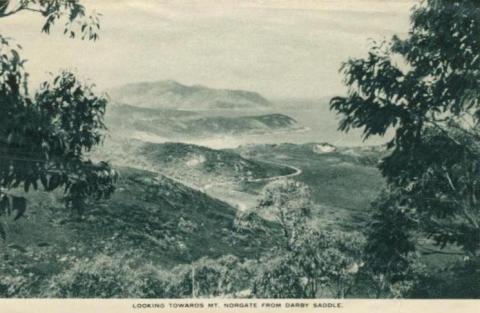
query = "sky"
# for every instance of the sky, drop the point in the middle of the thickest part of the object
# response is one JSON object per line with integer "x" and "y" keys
{"x": 280, "y": 48}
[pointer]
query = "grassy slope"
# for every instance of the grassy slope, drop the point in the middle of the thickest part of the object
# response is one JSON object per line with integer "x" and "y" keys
{"x": 173, "y": 223}
{"x": 343, "y": 182}
{"x": 162, "y": 220}
{"x": 201, "y": 165}
{"x": 192, "y": 164}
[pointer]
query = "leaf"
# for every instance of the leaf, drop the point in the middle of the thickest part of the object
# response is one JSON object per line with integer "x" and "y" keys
{"x": 53, "y": 182}
{"x": 44, "y": 181}
{"x": 16, "y": 183}
{"x": 19, "y": 204}
{"x": 4, "y": 204}
{"x": 26, "y": 186}
{"x": 46, "y": 28}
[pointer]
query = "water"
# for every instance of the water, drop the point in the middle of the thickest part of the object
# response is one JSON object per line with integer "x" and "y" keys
{"x": 317, "y": 122}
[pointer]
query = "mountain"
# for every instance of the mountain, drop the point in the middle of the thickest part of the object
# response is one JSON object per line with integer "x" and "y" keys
{"x": 202, "y": 165}
{"x": 193, "y": 165}
{"x": 178, "y": 124}
{"x": 238, "y": 125}
{"x": 173, "y": 95}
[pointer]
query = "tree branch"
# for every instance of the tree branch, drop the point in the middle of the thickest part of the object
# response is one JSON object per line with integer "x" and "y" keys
{"x": 35, "y": 10}
{"x": 23, "y": 7}
{"x": 450, "y": 182}
{"x": 445, "y": 132}
{"x": 5, "y": 14}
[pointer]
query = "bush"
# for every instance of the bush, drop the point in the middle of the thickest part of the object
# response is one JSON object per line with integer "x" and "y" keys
{"x": 279, "y": 278}
{"x": 460, "y": 280}
{"x": 237, "y": 277}
{"x": 23, "y": 271}
{"x": 155, "y": 283}
{"x": 14, "y": 286}
{"x": 127, "y": 276}
{"x": 101, "y": 277}
{"x": 225, "y": 276}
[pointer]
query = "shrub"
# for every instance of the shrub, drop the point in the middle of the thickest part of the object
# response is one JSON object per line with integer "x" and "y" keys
{"x": 225, "y": 276}
{"x": 14, "y": 286}
{"x": 155, "y": 283}
{"x": 279, "y": 278}
{"x": 101, "y": 277}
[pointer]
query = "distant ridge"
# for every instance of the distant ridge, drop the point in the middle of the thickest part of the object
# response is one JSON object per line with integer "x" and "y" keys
{"x": 180, "y": 124}
{"x": 173, "y": 95}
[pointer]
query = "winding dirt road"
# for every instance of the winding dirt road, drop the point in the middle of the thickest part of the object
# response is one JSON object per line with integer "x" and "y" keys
{"x": 237, "y": 201}
{"x": 296, "y": 172}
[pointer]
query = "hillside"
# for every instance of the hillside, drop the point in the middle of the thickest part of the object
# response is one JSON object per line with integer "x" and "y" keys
{"x": 203, "y": 165}
{"x": 173, "y": 95}
{"x": 343, "y": 180}
{"x": 238, "y": 125}
{"x": 195, "y": 165}
{"x": 165, "y": 222}
{"x": 177, "y": 124}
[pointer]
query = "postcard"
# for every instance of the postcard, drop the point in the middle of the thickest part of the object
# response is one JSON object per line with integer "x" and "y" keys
{"x": 239, "y": 156}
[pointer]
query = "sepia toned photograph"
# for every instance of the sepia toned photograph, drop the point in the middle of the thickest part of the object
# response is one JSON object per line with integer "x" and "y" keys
{"x": 254, "y": 149}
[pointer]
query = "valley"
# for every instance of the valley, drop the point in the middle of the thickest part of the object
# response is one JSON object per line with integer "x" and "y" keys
{"x": 239, "y": 150}
{"x": 187, "y": 175}
{"x": 231, "y": 154}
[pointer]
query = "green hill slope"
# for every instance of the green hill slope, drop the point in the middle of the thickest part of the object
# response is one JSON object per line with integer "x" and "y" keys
{"x": 193, "y": 165}
{"x": 344, "y": 181}
{"x": 165, "y": 222}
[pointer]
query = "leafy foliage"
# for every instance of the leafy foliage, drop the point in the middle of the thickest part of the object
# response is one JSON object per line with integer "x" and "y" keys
{"x": 249, "y": 222}
{"x": 425, "y": 87}
{"x": 279, "y": 279}
{"x": 329, "y": 261}
{"x": 321, "y": 263}
{"x": 220, "y": 277}
{"x": 289, "y": 202}
{"x": 103, "y": 277}
{"x": 53, "y": 11}
{"x": 461, "y": 280}
{"x": 44, "y": 137}
{"x": 391, "y": 235}
{"x": 127, "y": 276}
{"x": 311, "y": 262}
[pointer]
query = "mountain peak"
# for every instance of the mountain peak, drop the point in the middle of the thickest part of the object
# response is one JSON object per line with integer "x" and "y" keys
{"x": 174, "y": 95}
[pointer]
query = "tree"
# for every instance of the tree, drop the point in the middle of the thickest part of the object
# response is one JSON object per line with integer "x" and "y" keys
{"x": 249, "y": 222}
{"x": 218, "y": 277}
{"x": 393, "y": 267}
{"x": 279, "y": 278}
{"x": 307, "y": 262}
{"x": 329, "y": 261}
{"x": 289, "y": 202}
{"x": 425, "y": 87}
{"x": 45, "y": 136}
{"x": 320, "y": 263}
{"x": 72, "y": 11}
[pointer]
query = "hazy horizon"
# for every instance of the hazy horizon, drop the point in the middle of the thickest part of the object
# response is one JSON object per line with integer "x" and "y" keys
{"x": 281, "y": 49}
